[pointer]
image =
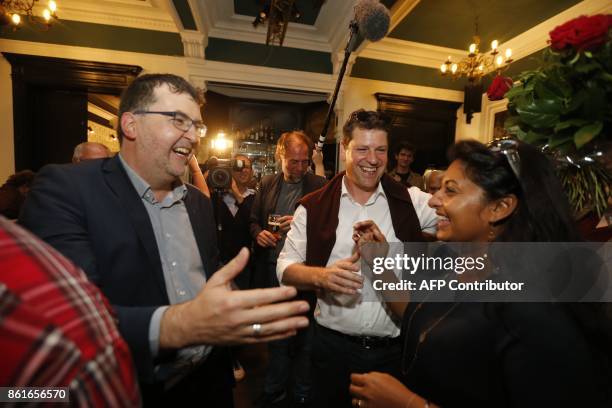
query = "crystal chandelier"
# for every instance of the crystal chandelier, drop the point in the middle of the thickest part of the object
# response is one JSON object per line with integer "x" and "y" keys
{"x": 11, "y": 12}
{"x": 477, "y": 65}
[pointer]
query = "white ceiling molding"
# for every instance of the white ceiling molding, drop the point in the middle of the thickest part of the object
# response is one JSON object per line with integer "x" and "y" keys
{"x": 432, "y": 56}
{"x": 202, "y": 24}
{"x": 260, "y": 76}
{"x": 174, "y": 14}
{"x": 400, "y": 10}
{"x": 219, "y": 18}
{"x": 124, "y": 13}
{"x": 537, "y": 37}
{"x": 333, "y": 22}
{"x": 407, "y": 89}
{"x": 338, "y": 60}
{"x": 151, "y": 63}
{"x": 205, "y": 13}
{"x": 409, "y": 52}
{"x": 280, "y": 95}
{"x": 240, "y": 28}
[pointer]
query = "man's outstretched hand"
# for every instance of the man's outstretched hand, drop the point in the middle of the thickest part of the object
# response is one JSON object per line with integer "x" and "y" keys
{"x": 219, "y": 315}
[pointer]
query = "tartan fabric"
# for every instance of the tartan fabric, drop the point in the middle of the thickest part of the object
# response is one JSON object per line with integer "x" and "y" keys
{"x": 56, "y": 328}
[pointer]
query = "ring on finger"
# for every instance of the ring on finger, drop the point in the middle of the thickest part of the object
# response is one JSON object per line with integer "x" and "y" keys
{"x": 256, "y": 329}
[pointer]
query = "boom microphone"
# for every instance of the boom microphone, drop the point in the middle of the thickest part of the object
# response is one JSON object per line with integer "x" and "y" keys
{"x": 371, "y": 22}
{"x": 372, "y": 19}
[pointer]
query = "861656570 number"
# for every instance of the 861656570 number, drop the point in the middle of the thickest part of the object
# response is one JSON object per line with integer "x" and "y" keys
{"x": 34, "y": 394}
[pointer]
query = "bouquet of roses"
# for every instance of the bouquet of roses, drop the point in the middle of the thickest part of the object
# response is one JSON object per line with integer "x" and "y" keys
{"x": 565, "y": 106}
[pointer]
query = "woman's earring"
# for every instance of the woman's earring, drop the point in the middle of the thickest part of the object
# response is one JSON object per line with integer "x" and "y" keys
{"x": 491, "y": 235}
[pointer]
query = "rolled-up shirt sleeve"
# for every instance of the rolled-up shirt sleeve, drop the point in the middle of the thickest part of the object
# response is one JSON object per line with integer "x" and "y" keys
{"x": 294, "y": 250}
{"x": 427, "y": 215}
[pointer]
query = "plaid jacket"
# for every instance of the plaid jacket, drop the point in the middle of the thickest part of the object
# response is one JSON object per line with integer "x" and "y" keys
{"x": 55, "y": 327}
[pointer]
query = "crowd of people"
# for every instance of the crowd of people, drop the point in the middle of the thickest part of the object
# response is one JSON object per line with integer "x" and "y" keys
{"x": 132, "y": 287}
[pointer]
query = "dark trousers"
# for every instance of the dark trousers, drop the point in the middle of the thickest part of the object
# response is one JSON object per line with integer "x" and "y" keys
{"x": 335, "y": 358}
{"x": 289, "y": 357}
{"x": 210, "y": 385}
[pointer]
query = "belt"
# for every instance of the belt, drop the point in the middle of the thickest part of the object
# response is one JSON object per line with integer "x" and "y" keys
{"x": 367, "y": 342}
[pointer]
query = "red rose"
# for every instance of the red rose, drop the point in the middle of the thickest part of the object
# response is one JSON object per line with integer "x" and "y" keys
{"x": 499, "y": 87}
{"x": 581, "y": 33}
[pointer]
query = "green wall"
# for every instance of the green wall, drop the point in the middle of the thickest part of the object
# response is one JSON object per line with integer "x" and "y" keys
{"x": 240, "y": 52}
{"x": 76, "y": 33}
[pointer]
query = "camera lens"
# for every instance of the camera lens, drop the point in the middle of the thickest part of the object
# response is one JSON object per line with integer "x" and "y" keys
{"x": 220, "y": 178}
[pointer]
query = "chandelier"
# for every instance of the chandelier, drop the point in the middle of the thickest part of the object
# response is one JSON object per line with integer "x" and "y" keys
{"x": 11, "y": 12}
{"x": 477, "y": 65}
{"x": 473, "y": 67}
{"x": 278, "y": 14}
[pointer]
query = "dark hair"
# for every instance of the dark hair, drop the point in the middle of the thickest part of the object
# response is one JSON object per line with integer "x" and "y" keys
{"x": 404, "y": 146}
{"x": 543, "y": 212}
{"x": 364, "y": 119}
{"x": 140, "y": 94}
{"x": 21, "y": 178}
{"x": 295, "y": 136}
{"x": 542, "y": 215}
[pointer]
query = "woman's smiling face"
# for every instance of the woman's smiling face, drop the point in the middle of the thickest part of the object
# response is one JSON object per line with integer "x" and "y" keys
{"x": 462, "y": 206}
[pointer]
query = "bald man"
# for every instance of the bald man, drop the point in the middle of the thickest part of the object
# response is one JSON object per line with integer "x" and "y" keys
{"x": 90, "y": 151}
{"x": 433, "y": 180}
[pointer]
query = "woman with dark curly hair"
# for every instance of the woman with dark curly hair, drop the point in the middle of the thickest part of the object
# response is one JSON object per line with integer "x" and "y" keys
{"x": 493, "y": 354}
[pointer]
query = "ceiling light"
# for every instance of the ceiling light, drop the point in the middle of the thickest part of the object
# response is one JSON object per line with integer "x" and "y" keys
{"x": 12, "y": 12}
{"x": 477, "y": 64}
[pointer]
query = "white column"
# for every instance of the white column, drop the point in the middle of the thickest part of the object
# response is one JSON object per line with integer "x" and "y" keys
{"x": 194, "y": 44}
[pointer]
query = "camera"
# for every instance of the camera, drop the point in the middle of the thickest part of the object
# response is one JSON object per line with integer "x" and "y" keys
{"x": 220, "y": 172}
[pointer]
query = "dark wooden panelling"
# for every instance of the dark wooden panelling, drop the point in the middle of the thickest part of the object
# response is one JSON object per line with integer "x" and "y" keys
{"x": 59, "y": 72}
{"x": 50, "y": 104}
{"x": 426, "y": 123}
{"x": 60, "y": 124}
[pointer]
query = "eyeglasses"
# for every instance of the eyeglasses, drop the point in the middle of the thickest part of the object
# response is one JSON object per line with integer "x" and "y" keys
{"x": 509, "y": 148}
{"x": 180, "y": 121}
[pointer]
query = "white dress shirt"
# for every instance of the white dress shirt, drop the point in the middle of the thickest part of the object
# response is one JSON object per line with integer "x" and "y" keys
{"x": 230, "y": 200}
{"x": 427, "y": 215}
{"x": 348, "y": 313}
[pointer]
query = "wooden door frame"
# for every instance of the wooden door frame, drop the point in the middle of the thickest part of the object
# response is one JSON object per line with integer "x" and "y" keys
{"x": 59, "y": 73}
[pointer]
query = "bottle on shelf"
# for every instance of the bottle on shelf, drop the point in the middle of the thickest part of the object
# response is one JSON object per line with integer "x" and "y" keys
{"x": 270, "y": 135}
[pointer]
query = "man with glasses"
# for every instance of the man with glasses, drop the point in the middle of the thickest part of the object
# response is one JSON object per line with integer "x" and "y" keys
{"x": 350, "y": 334}
{"x": 279, "y": 194}
{"x": 148, "y": 241}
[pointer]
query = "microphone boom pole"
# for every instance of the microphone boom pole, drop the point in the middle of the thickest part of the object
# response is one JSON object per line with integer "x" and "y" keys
{"x": 354, "y": 28}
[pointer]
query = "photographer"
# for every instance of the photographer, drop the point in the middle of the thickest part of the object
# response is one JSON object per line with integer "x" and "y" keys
{"x": 232, "y": 210}
{"x": 233, "y": 217}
